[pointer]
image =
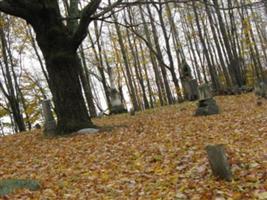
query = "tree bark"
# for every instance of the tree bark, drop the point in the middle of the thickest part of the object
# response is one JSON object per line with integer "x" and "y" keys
{"x": 63, "y": 65}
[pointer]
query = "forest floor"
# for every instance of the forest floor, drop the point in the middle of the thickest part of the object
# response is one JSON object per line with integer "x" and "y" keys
{"x": 156, "y": 154}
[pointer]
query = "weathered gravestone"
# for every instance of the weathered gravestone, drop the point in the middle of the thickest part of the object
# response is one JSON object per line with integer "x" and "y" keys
{"x": 116, "y": 104}
{"x": 189, "y": 84}
{"x": 206, "y": 105}
{"x": 132, "y": 112}
{"x": 261, "y": 89}
{"x": 37, "y": 126}
{"x": 204, "y": 91}
{"x": 115, "y": 100}
{"x": 10, "y": 185}
{"x": 190, "y": 87}
{"x": 49, "y": 120}
{"x": 218, "y": 162}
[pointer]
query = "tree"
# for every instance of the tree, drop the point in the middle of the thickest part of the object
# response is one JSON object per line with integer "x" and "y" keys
{"x": 9, "y": 85}
{"x": 59, "y": 42}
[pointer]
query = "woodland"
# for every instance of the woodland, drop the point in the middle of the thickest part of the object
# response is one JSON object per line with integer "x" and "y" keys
{"x": 132, "y": 99}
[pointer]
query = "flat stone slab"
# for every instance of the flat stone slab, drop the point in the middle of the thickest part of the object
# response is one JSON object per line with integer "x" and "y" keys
{"x": 88, "y": 131}
{"x": 7, "y": 186}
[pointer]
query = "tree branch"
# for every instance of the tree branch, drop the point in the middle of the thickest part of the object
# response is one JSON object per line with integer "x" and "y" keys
{"x": 10, "y": 8}
{"x": 107, "y": 9}
{"x": 20, "y": 8}
{"x": 86, "y": 18}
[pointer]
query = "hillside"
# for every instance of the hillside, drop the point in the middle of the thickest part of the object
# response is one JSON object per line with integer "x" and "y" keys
{"x": 156, "y": 154}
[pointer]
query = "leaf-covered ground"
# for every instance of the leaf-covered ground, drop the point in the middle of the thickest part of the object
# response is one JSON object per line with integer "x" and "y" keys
{"x": 157, "y": 154}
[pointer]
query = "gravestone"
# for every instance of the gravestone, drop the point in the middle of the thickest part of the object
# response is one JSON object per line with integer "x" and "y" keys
{"x": 116, "y": 104}
{"x": 261, "y": 89}
{"x": 132, "y": 112}
{"x": 218, "y": 162}
{"x": 10, "y": 185}
{"x": 49, "y": 120}
{"x": 37, "y": 126}
{"x": 236, "y": 90}
{"x": 206, "y": 105}
{"x": 189, "y": 84}
{"x": 115, "y": 99}
{"x": 204, "y": 91}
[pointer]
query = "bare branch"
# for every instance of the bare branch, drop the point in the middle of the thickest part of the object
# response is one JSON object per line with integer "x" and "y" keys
{"x": 10, "y": 8}
{"x": 19, "y": 8}
{"x": 107, "y": 9}
{"x": 86, "y": 18}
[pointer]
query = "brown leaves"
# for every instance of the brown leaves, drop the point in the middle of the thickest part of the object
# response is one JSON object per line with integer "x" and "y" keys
{"x": 157, "y": 154}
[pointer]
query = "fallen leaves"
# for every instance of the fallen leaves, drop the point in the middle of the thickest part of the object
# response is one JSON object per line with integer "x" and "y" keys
{"x": 156, "y": 154}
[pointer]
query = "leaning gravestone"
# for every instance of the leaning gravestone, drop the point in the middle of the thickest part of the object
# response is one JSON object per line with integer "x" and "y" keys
{"x": 206, "y": 105}
{"x": 9, "y": 185}
{"x": 49, "y": 120}
{"x": 189, "y": 84}
{"x": 218, "y": 162}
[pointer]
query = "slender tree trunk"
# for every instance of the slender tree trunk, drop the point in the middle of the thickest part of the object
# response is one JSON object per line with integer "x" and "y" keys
{"x": 85, "y": 79}
{"x": 127, "y": 66}
{"x": 160, "y": 57}
{"x": 146, "y": 76}
{"x": 156, "y": 70}
{"x": 214, "y": 78}
{"x": 218, "y": 46}
{"x": 168, "y": 50}
{"x": 10, "y": 94}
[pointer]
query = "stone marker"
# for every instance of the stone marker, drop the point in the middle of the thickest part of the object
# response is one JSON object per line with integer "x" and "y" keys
{"x": 9, "y": 185}
{"x": 261, "y": 89}
{"x": 37, "y": 126}
{"x": 115, "y": 98}
{"x": 190, "y": 87}
{"x": 207, "y": 107}
{"x": 189, "y": 84}
{"x": 204, "y": 91}
{"x": 132, "y": 112}
{"x": 88, "y": 130}
{"x": 49, "y": 120}
{"x": 218, "y": 162}
{"x": 116, "y": 104}
{"x": 236, "y": 90}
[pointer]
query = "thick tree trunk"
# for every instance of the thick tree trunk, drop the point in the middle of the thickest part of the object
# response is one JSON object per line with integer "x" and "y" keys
{"x": 63, "y": 68}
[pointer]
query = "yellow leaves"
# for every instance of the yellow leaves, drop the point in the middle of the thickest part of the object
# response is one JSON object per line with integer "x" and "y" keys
{"x": 49, "y": 194}
{"x": 159, "y": 154}
{"x": 262, "y": 195}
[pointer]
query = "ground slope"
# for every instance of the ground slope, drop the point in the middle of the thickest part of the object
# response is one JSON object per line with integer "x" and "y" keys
{"x": 157, "y": 154}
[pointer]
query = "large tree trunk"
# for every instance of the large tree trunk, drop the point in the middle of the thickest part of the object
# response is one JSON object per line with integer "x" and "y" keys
{"x": 63, "y": 65}
{"x": 59, "y": 42}
{"x": 63, "y": 68}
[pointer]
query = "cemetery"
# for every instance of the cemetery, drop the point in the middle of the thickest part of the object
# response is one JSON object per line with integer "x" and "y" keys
{"x": 138, "y": 100}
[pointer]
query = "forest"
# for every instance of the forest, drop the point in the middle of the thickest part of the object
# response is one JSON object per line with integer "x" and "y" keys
{"x": 138, "y": 99}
